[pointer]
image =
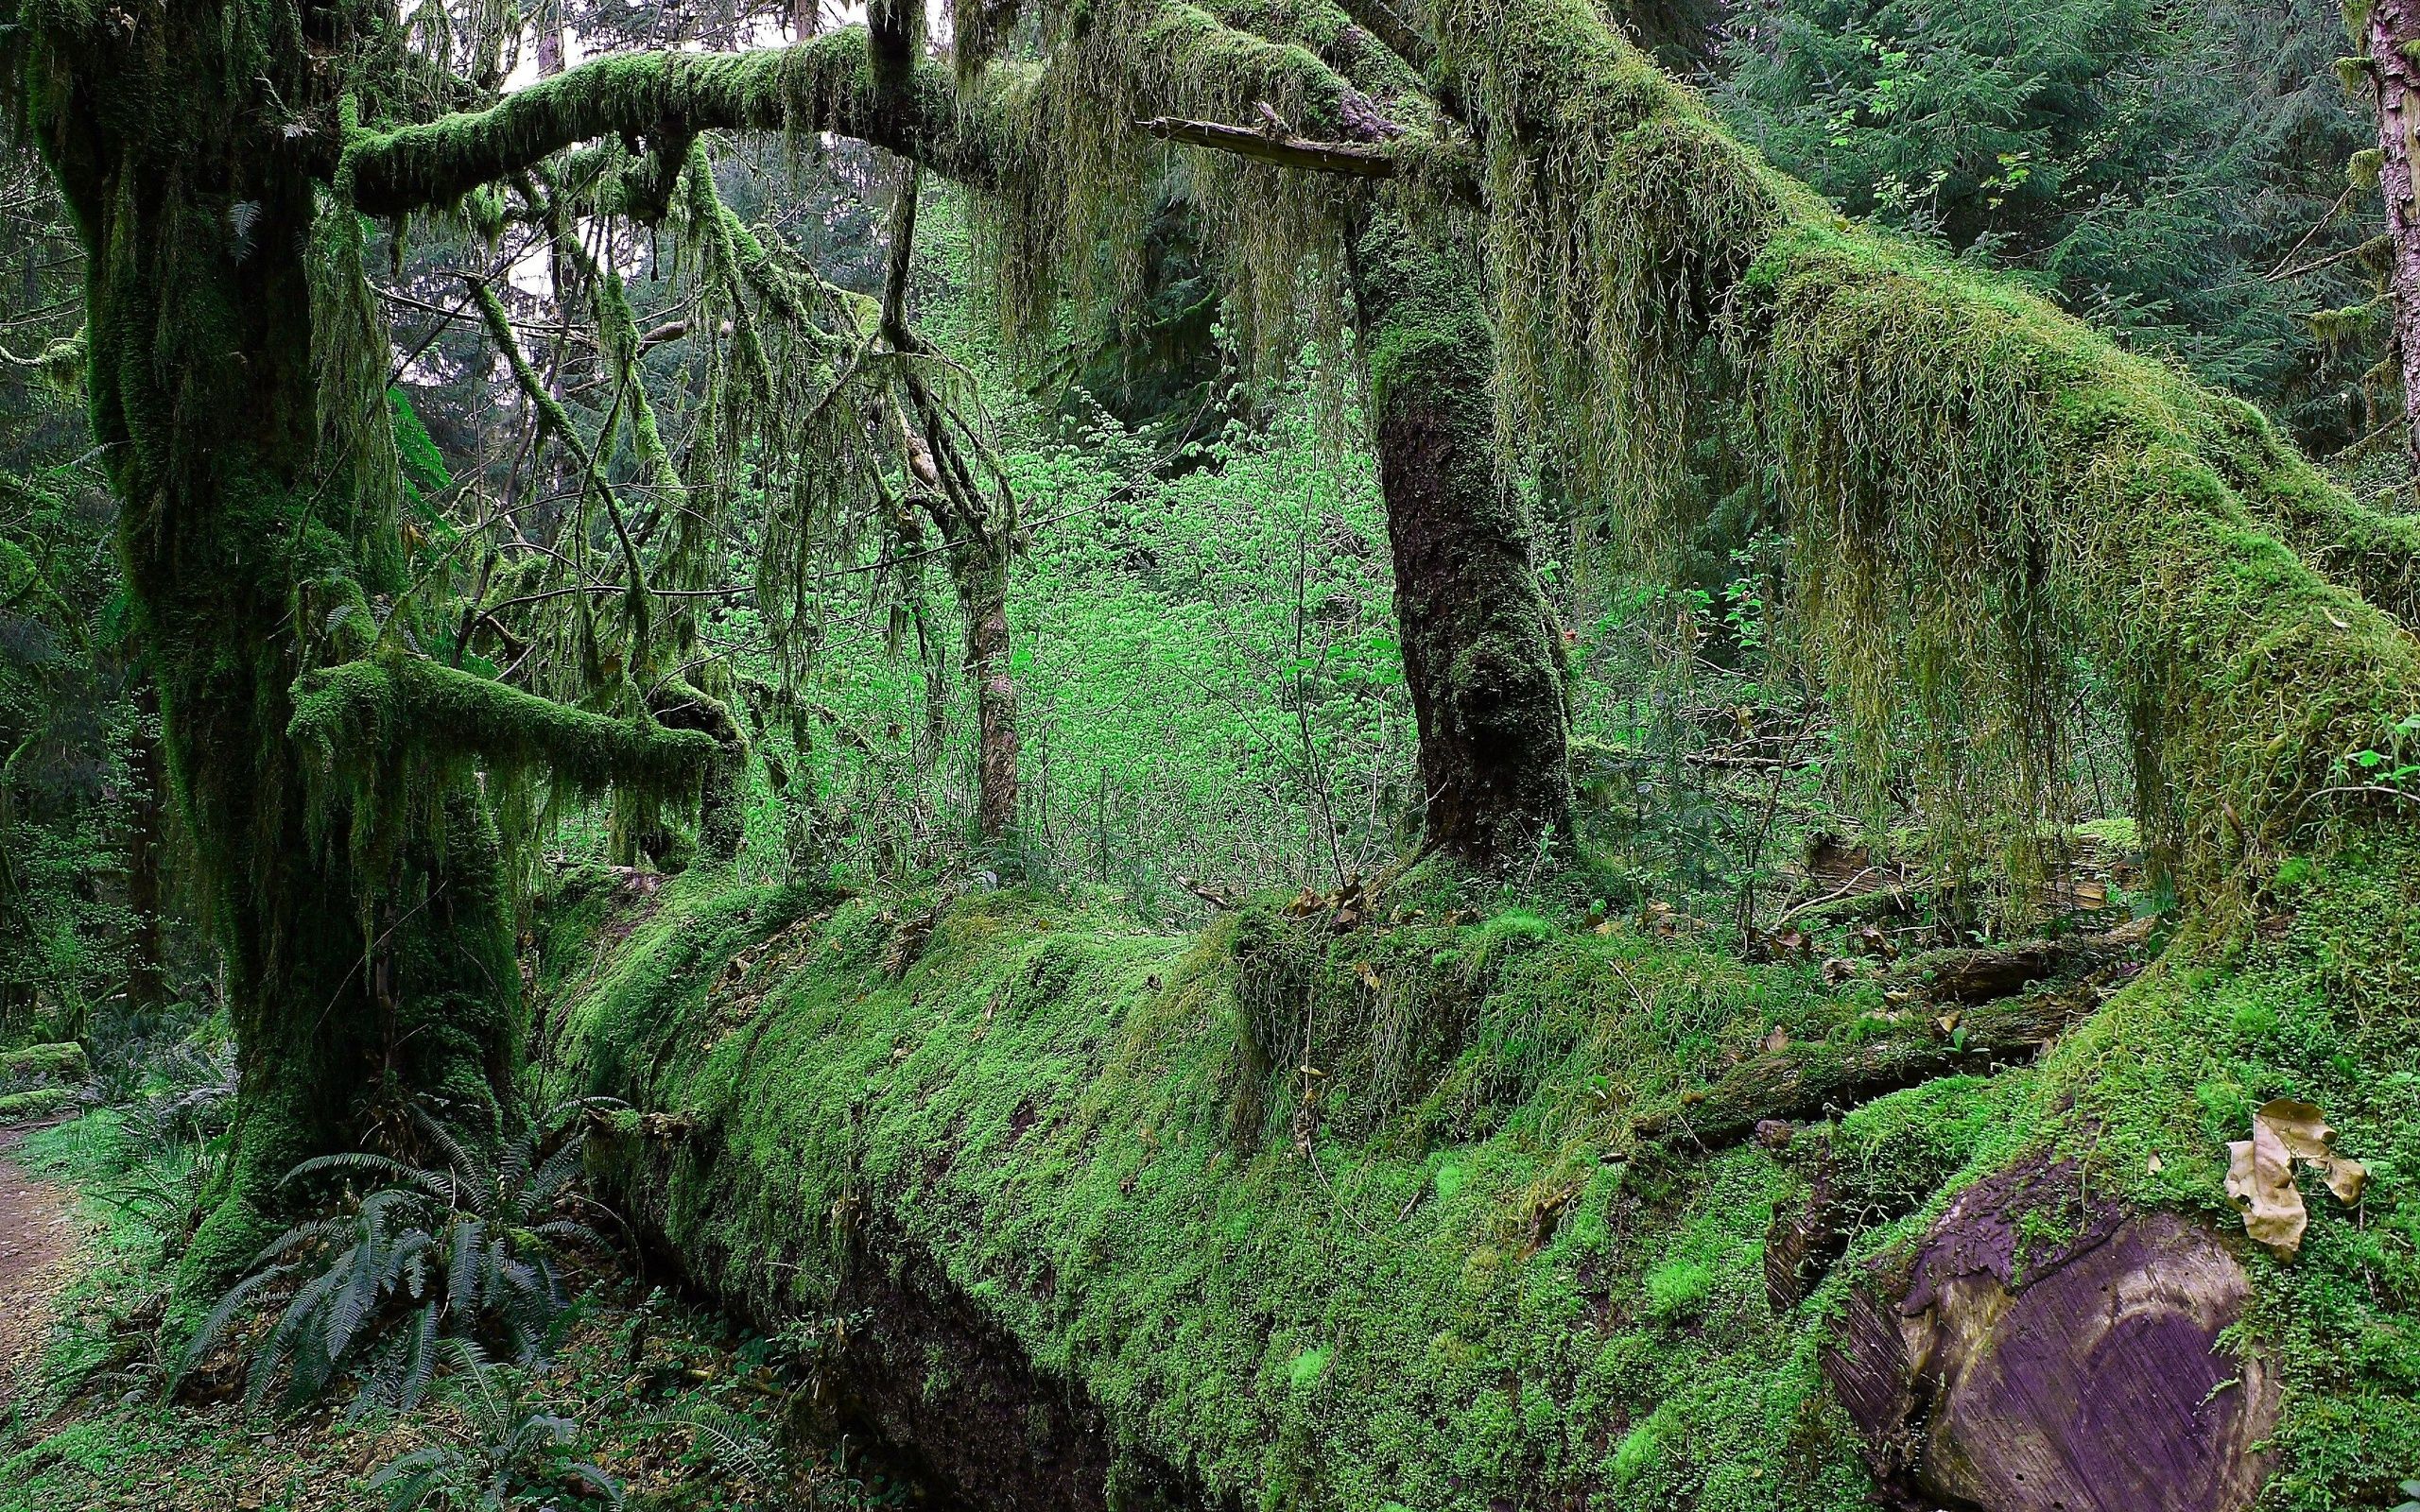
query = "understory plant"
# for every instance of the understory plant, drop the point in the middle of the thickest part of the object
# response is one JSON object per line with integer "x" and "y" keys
{"x": 433, "y": 1259}
{"x": 507, "y": 1451}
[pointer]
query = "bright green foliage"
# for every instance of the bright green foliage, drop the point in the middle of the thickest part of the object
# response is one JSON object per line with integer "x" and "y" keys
{"x": 1319, "y": 1215}
{"x": 65, "y": 728}
{"x": 2151, "y": 163}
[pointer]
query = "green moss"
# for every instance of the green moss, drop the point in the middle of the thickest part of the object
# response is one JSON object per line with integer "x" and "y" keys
{"x": 41, "y": 1102}
{"x": 1678, "y": 1289}
{"x": 56, "y": 1062}
{"x": 1045, "y": 1093}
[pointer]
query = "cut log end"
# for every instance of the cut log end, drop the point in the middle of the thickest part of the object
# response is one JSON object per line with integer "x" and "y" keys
{"x": 2086, "y": 1378}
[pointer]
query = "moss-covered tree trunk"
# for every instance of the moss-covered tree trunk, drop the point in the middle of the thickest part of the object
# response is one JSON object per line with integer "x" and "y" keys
{"x": 147, "y": 837}
{"x": 982, "y": 580}
{"x": 1478, "y": 651}
{"x": 250, "y": 553}
{"x": 2390, "y": 35}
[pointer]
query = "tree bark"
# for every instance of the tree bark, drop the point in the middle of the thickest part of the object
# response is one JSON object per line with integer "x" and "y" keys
{"x": 550, "y": 41}
{"x": 2394, "y": 25}
{"x": 982, "y": 579}
{"x": 980, "y": 539}
{"x": 1485, "y": 674}
{"x": 146, "y": 851}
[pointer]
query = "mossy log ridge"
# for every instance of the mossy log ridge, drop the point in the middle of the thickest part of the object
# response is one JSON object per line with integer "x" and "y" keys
{"x": 1072, "y": 1178}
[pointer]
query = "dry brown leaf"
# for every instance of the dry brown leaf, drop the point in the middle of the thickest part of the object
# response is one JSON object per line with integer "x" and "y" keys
{"x": 1369, "y": 976}
{"x": 2260, "y": 1172}
{"x": 1777, "y": 1042}
{"x": 2260, "y": 1182}
{"x": 2307, "y": 1137}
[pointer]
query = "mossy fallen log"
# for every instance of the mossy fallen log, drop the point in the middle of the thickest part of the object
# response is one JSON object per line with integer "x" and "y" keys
{"x": 63, "y": 1062}
{"x": 1091, "y": 1234}
{"x": 40, "y": 1102}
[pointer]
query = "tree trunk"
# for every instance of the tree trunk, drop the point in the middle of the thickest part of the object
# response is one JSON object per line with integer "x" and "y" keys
{"x": 982, "y": 576}
{"x": 1478, "y": 653}
{"x": 358, "y": 974}
{"x": 2394, "y": 25}
{"x": 146, "y": 847}
{"x": 550, "y": 41}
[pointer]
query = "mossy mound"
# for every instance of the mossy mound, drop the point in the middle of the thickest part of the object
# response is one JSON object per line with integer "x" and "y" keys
{"x": 1451, "y": 1275}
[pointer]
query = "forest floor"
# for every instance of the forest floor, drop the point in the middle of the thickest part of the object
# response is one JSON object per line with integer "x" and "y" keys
{"x": 687, "y": 1410}
{"x": 38, "y": 1241}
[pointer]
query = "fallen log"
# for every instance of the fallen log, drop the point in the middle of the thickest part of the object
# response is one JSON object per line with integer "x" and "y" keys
{"x": 62, "y": 1062}
{"x": 1809, "y": 1081}
{"x": 1996, "y": 1021}
{"x": 1009, "y": 1182}
{"x": 1982, "y": 975}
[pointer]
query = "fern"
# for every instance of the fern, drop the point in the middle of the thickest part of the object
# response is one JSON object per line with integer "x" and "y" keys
{"x": 735, "y": 1445}
{"x": 506, "y": 1450}
{"x": 431, "y": 1261}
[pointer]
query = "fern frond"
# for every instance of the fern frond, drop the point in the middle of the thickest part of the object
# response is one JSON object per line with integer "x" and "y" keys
{"x": 206, "y": 1337}
{"x": 419, "y": 1360}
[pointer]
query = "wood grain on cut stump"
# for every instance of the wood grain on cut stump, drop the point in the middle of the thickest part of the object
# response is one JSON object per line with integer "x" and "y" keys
{"x": 2043, "y": 1353}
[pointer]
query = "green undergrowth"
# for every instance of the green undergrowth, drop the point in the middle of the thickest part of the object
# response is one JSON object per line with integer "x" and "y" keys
{"x": 1449, "y": 1276}
{"x": 650, "y": 1379}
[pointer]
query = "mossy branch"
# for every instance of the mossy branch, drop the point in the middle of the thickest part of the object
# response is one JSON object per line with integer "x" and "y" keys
{"x": 395, "y": 702}
{"x": 1983, "y": 489}
{"x": 826, "y": 84}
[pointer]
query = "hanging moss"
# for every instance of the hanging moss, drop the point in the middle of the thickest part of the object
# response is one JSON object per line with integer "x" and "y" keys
{"x": 1981, "y": 489}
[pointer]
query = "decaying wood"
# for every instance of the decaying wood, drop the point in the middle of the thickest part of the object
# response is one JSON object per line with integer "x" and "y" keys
{"x": 1352, "y": 159}
{"x": 1804, "y": 1080}
{"x": 1990, "y": 1022}
{"x": 1983, "y": 975}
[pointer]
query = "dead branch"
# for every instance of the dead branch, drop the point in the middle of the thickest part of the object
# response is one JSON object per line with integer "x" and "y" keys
{"x": 1348, "y": 157}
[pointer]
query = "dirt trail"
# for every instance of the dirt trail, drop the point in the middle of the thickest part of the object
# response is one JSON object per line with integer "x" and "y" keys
{"x": 37, "y": 1237}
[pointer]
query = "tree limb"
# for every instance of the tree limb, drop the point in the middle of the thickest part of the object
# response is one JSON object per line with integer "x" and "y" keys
{"x": 824, "y": 84}
{"x": 396, "y": 701}
{"x": 1380, "y": 18}
{"x": 1347, "y": 157}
